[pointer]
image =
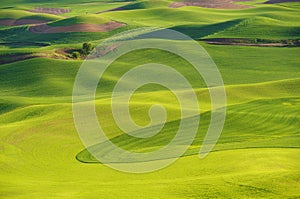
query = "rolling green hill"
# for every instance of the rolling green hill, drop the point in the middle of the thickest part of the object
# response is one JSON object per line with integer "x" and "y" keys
{"x": 89, "y": 19}
{"x": 257, "y": 156}
{"x": 20, "y": 14}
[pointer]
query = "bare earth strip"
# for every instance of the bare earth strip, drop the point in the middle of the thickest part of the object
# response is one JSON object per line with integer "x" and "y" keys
{"x": 55, "y": 11}
{"x": 220, "y": 4}
{"x": 247, "y": 44}
{"x": 44, "y": 28}
{"x": 14, "y": 22}
{"x": 5, "y": 59}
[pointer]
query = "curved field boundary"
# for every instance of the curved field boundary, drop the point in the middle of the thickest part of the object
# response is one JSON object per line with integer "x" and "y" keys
{"x": 89, "y": 159}
{"x": 251, "y": 115}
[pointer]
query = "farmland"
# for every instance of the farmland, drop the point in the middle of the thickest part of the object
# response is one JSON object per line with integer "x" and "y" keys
{"x": 257, "y": 155}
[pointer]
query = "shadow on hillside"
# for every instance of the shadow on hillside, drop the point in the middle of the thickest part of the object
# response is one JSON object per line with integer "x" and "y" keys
{"x": 197, "y": 31}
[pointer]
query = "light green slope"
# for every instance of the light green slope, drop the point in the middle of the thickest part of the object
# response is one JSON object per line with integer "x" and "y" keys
{"x": 49, "y": 77}
{"x": 262, "y": 22}
{"x": 88, "y": 19}
{"x": 20, "y": 14}
{"x": 270, "y": 21}
{"x": 41, "y": 142}
{"x": 270, "y": 122}
{"x": 257, "y": 155}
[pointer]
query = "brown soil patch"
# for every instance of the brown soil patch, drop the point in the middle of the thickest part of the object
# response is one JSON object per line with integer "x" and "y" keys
{"x": 44, "y": 28}
{"x": 100, "y": 51}
{"x": 246, "y": 44}
{"x": 29, "y": 21}
{"x": 5, "y": 59}
{"x": 220, "y": 4}
{"x": 55, "y": 11}
{"x": 15, "y": 22}
{"x": 63, "y": 54}
{"x": 280, "y": 1}
{"x": 249, "y": 42}
{"x": 60, "y": 53}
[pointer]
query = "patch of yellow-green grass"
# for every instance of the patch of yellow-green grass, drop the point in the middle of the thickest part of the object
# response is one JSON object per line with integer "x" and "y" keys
{"x": 82, "y": 19}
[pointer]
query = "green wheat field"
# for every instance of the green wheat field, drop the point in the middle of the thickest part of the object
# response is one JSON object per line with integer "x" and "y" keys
{"x": 255, "y": 45}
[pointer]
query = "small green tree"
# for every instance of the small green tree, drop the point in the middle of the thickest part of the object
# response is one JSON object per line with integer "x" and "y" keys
{"x": 75, "y": 55}
{"x": 86, "y": 48}
{"x": 290, "y": 42}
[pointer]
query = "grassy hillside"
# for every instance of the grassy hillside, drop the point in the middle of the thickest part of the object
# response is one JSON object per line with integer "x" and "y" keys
{"x": 89, "y": 19}
{"x": 22, "y": 35}
{"x": 263, "y": 22}
{"x": 78, "y": 7}
{"x": 20, "y": 14}
{"x": 284, "y": 134}
{"x": 257, "y": 156}
{"x": 263, "y": 64}
{"x": 146, "y": 4}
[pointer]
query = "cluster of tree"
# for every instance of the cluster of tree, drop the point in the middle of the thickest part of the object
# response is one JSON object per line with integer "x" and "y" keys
{"x": 84, "y": 51}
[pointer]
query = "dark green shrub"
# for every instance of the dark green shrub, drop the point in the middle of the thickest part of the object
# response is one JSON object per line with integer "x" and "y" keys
{"x": 75, "y": 55}
{"x": 86, "y": 48}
